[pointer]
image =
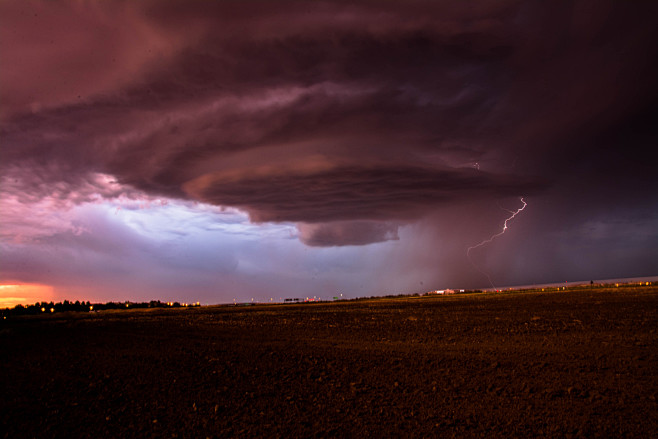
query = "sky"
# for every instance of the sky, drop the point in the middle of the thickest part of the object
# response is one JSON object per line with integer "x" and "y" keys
{"x": 230, "y": 150}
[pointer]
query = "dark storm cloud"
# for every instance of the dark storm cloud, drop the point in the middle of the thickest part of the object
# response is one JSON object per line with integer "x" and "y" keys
{"x": 347, "y": 233}
{"x": 324, "y": 193}
{"x": 403, "y": 101}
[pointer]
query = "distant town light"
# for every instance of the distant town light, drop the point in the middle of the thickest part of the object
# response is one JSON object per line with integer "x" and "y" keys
{"x": 52, "y": 309}
{"x": 43, "y": 309}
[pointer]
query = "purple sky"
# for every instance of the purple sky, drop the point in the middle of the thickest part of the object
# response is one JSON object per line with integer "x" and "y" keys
{"x": 213, "y": 151}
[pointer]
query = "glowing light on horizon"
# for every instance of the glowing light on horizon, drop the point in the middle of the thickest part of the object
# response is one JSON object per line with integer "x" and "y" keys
{"x": 487, "y": 241}
{"x": 24, "y": 294}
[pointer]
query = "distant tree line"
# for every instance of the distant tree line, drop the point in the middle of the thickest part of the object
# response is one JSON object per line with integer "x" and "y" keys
{"x": 77, "y": 306}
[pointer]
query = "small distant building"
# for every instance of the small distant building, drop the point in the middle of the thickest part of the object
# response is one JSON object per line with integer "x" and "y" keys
{"x": 441, "y": 292}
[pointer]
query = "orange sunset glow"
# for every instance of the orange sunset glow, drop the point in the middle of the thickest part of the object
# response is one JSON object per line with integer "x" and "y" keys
{"x": 24, "y": 294}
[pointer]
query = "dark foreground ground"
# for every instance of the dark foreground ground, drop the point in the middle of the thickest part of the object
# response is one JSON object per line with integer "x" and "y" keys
{"x": 532, "y": 364}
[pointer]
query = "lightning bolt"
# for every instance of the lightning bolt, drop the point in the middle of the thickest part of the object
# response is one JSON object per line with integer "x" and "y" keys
{"x": 487, "y": 241}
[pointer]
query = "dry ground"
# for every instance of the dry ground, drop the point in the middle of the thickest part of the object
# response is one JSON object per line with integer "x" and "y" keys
{"x": 503, "y": 365}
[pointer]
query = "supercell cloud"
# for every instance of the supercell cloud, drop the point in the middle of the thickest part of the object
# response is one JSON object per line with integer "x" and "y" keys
{"x": 351, "y": 125}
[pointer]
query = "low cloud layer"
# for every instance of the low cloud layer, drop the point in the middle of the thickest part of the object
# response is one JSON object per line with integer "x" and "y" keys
{"x": 328, "y": 193}
{"x": 347, "y": 233}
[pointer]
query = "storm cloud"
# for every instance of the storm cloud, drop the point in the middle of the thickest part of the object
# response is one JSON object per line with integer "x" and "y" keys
{"x": 347, "y": 233}
{"x": 348, "y": 119}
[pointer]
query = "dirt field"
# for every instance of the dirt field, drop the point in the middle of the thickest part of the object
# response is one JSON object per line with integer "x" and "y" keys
{"x": 504, "y": 365}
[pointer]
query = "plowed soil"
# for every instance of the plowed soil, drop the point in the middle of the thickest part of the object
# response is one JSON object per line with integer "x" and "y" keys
{"x": 560, "y": 364}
